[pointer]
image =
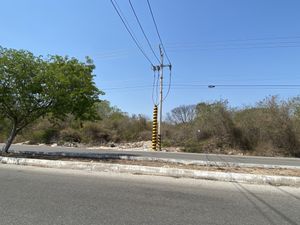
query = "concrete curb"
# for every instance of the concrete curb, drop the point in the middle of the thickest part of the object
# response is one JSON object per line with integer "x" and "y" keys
{"x": 167, "y": 160}
{"x": 158, "y": 171}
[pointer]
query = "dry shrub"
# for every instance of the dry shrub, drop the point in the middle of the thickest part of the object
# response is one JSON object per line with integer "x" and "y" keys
{"x": 216, "y": 121}
{"x": 42, "y": 131}
{"x": 269, "y": 124}
{"x": 94, "y": 133}
{"x": 70, "y": 135}
{"x": 271, "y": 127}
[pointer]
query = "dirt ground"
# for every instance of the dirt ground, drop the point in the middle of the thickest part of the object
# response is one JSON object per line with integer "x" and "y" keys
{"x": 262, "y": 171}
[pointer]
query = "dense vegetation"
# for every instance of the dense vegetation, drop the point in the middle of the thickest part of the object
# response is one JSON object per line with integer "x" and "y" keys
{"x": 271, "y": 127}
{"x": 111, "y": 126}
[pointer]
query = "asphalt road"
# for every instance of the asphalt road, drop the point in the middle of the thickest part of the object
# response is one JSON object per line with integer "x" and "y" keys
{"x": 43, "y": 196}
{"x": 188, "y": 156}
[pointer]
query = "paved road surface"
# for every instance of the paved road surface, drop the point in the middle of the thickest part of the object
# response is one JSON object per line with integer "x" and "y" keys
{"x": 43, "y": 196}
{"x": 189, "y": 156}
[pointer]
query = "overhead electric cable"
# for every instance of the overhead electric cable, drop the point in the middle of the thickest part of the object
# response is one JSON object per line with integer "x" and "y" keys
{"x": 157, "y": 31}
{"x": 115, "y": 5}
{"x": 126, "y": 87}
{"x": 242, "y": 41}
{"x": 249, "y": 44}
{"x": 169, "y": 86}
{"x": 154, "y": 89}
{"x": 233, "y": 48}
{"x": 237, "y": 85}
{"x": 157, "y": 88}
{"x": 143, "y": 31}
{"x": 209, "y": 86}
{"x": 257, "y": 39}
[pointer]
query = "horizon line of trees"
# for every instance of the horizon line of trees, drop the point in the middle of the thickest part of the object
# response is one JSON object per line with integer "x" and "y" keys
{"x": 271, "y": 128}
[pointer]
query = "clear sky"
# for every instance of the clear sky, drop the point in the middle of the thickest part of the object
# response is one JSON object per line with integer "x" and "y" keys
{"x": 208, "y": 42}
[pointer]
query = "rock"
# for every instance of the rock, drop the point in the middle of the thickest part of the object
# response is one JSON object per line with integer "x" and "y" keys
{"x": 147, "y": 144}
{"x": 70, "y": 144}
{"x": 20, "y": 143}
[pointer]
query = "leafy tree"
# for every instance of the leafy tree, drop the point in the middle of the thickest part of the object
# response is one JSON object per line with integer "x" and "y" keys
{"x": 105, "y": 110}
{"x": 32, "y": 87}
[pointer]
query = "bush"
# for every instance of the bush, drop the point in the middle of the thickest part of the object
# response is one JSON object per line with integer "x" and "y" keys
{"x": 271, "y": 127}
{"x": 40, "y": 132}
{"x": 270, "y": 123}
{"x": 47, "y": 136}
{"x": 70, "y": 135}
{"x": 216, "y": 120}
{"x": 94, "y": 133}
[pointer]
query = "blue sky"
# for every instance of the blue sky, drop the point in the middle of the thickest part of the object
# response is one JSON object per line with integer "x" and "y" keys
{"x": 208, "y": 42}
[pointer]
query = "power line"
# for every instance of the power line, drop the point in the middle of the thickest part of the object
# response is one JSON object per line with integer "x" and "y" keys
{"x": 237, "y": 85}
{"x": 253, "y": 85}
{"x": 143, "y": 31}
{"x": 277, "y": 42}
{"x": 115, "y": 5}
{"x": 205, "y": 45}
{"x": 249, "y": 44}
{"x": 126, "y": 87}
{"x": 239, "y": 48}
{"x": 189, "y": 86}
{"x": 154, "y": 89}
{"x": 160, "y": 68}
{"x": 169, "y": 86}
{"x": 157, "y": 31}
{"x": 261, "y": 40}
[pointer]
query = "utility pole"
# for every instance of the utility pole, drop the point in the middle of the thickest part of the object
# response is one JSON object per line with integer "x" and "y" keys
{"x": 161, "y": 77}
{"x": 160, "y": 68}
{"x": 157, "y": 116}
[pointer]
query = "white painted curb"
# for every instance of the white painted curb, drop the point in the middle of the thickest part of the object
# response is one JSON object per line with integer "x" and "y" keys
{"x": 155, "y": 159}
{"x": 158, "y": 171}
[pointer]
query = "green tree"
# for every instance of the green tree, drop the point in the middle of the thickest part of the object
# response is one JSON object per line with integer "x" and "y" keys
{"x": 105, "y": 110}
{"x": 32, "y": 87}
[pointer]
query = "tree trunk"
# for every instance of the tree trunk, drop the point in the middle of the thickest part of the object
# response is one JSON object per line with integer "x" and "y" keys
{"x": 10, "y": 139}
